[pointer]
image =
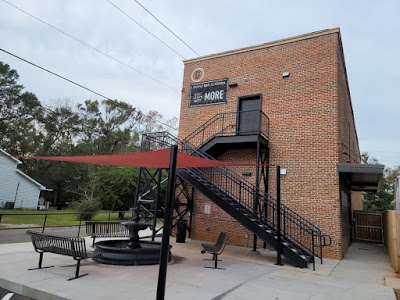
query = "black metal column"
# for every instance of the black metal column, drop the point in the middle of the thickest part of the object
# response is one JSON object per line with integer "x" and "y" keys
{"x": 162, "y": 274}
{"x": 137, "y": 187}
{"x": 255, "y": 200}
{"x": 153, "y": 235}
{"x": 191, "y": 215}
{"x": 278, "y": 212}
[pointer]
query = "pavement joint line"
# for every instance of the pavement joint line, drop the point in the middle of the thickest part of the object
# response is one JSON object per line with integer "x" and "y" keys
{"x": 334, "y": 268}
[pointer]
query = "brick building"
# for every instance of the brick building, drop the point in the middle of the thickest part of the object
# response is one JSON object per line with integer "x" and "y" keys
{"x": 286, "y": 103}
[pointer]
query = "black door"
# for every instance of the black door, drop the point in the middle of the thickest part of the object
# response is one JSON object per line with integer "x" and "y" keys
{"x": 249, "y": 115}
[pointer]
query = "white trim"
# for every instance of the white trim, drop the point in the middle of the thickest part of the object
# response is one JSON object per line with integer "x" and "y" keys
{"x": 10, "y": 157}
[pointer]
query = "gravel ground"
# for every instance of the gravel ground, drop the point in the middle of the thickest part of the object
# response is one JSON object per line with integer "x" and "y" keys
{"x": 18, "y": 235}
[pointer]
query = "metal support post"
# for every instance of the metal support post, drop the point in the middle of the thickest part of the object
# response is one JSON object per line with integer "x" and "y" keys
{"x": 137, "y": 188}
{"x": 255, "y": 200}
{"x": 278, "y": 212}
{"x": 162, "y": 274}
{"x": 153, "y": 235}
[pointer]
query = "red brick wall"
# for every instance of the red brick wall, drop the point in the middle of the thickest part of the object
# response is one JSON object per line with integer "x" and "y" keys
{"x": 305, "y": 126}
{"x": 348, "y": 141}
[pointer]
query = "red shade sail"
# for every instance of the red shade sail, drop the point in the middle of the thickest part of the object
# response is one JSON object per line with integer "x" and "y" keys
{"x": 150, "y": 159}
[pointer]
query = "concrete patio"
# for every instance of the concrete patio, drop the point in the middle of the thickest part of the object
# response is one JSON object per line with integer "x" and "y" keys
{"x": 248, "y": 275}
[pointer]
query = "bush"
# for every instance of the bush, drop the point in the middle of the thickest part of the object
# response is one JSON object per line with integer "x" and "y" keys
{"x": 88, "y": 207}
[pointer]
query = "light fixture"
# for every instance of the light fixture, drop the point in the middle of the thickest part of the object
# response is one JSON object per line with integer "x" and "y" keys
{"x": 285, "y": 74}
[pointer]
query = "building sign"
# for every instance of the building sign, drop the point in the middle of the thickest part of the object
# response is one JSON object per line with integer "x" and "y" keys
{"x": 197, "y": 74}
{"x": 210, "y": 92}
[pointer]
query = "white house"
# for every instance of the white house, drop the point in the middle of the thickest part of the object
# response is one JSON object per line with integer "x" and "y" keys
{"x": 17, "y": 189}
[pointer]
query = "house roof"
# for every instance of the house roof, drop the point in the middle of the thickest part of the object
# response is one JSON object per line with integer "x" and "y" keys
{"x": 4, "y": 153}
{"x": 266, "y": 45}
{"x": 42, "y": 187}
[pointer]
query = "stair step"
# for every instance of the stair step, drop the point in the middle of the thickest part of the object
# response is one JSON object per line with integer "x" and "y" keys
{"x": 240, "y": 209}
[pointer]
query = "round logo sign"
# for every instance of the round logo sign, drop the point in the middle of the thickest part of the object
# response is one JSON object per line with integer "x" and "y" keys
{"x": 197, "y": 74}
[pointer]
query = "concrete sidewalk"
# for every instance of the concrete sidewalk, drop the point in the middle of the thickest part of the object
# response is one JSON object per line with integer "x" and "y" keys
{"x": 248, "y": 275}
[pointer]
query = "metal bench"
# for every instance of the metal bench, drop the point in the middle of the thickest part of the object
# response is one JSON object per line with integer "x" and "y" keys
{"x": 106, "y": 229}
{"x": 216, "y": 249}
{"x": 58, "y": 244}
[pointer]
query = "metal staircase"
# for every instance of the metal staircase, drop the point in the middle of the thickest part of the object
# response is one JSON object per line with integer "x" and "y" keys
{"x": 223, "y": 129}
{"x": 300, "y": 241}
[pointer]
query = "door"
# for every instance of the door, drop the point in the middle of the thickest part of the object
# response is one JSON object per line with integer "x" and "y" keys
{"x": 368, "y": 227}
{"x": 249, "y": 115}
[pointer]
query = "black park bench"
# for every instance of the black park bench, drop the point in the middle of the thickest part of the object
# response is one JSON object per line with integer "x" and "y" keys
{"x": 69, "y": 246}
{"x": 216, "y": 249}
{"x": 106, "y": 229}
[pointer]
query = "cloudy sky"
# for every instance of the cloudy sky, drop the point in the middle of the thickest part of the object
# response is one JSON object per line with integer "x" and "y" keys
{"x": 149, "y": 73}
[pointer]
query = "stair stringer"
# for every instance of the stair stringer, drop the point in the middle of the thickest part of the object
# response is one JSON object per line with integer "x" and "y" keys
{"x": 264, "y": 231}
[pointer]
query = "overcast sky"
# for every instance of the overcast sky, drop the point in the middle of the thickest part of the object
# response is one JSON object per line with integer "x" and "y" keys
{"x": 370, "y": 32}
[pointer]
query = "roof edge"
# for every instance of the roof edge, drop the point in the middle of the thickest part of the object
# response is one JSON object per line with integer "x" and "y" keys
{"x": 42, "y": 187}
{"x": 2, "y": 152}
{"x": 266, "y": 45}
{"x": 361, "y": 168}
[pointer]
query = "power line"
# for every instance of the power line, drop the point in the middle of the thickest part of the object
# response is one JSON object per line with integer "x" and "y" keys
{"x": 75, "y": 83}
{"x": 55, "y": 74}
{"x": 87, "y": 45}
{"x": 144, "y": 28}
{"x": 165, "y": 26}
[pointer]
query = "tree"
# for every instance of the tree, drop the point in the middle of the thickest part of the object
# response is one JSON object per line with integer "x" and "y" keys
{"x": 108, "y": 126}
{"x": 93, "y": 127}
{"x": 383, "y": 199}
{"x": 115, "y": 187}
{"x": 19, "y": 112}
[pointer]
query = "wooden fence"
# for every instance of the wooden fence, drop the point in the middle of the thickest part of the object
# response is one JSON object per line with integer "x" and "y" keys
{"x": 368, "y": 227}
{"x": 391, "y": 223}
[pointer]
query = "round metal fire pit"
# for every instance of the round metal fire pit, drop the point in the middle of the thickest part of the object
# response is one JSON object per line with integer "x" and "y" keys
{"x": 117, "y": 252}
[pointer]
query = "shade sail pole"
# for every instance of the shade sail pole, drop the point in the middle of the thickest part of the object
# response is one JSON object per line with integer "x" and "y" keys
{"x": 162, "y": 273}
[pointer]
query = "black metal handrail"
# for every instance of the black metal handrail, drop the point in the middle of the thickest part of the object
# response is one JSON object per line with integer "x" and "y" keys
{"x": 164, "y": 139}
{"x": 295, "y": 227}
{"x": 228, "y": 124}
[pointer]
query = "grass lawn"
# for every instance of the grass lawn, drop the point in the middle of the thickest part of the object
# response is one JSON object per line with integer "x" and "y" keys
{"x": 64, "y": 217}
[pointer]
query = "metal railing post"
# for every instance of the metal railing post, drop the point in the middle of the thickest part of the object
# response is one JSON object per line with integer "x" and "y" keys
{"x": 313, "y": 249}
{"x": 80, "y": 223}
{"x": 320, "y": 247}
{"x": 44, "y": 222}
